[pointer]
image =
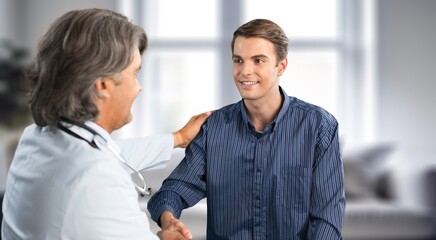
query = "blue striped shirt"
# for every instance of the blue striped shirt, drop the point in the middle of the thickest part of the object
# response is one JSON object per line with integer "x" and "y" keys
{"x": 283, "y": 183}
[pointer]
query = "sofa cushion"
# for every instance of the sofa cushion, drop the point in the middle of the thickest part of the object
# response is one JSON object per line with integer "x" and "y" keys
{"x": 374, "y": 219}
{"x": 367, "y": 172}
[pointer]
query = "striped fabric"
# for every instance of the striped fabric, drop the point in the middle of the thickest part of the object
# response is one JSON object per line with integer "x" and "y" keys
{"x": 283, "y": 183}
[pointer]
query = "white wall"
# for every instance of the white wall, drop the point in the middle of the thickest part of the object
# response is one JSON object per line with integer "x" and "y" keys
{"x": 406, "y": 86}
{"x": 36, "y": 16}
{"x": 7, "y": 17}
{"x": 407, "y": 76}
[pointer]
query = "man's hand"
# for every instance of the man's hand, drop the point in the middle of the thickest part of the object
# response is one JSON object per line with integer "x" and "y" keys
{"x": 184, "y": 136}
{"x": 173, "y": 228}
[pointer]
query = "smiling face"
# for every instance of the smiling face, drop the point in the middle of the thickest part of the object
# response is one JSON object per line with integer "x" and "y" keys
{"x": 126, "y": 89}
{"x": 256, "y": 71}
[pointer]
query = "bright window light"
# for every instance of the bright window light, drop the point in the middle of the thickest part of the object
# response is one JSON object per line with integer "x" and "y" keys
{"x": 299, "y": 19}
{"x": 187, "y": 19}
{"x": 178, "y": 84}
{"x": 312, "y": 76}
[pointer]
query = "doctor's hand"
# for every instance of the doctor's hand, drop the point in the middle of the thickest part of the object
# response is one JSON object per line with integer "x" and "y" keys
{"x": 171, "y": 235}
{"x": 173, "y": 228}
{"x": 184, "y": 136}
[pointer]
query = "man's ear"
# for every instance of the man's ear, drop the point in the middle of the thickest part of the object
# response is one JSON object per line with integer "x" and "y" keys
{"x": 283, "y": 64}
{"x": 103, "y": 86}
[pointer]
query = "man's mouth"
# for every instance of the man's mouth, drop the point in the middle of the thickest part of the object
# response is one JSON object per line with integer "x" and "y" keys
{"x": 249, "y": 83}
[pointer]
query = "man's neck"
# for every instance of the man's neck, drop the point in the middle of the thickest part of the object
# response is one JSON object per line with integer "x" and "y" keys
{"x": 261, "y": 113}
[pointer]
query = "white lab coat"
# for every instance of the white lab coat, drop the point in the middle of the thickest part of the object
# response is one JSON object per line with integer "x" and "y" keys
{"x": 59, "y": 187}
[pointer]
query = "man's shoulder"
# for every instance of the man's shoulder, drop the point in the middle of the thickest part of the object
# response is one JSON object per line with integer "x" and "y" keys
{"x": 230, "y": 108}
{"x": 311, "y": 110}
{"x": 227, "y": 112}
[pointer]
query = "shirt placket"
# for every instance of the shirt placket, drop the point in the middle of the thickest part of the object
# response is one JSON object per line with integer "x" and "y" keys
{"x": 259, "y": 206}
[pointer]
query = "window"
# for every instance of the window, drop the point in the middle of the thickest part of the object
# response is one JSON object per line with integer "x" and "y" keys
{"x": 179, "y": 70}
{"x": 308, "y": 19}
{"x": 312, "y": 28}
{"x": 187, "y": 19}
{"x": 312, "y": 75}
{"x": 187, "y": 69}
{"x": 179, "y": 83}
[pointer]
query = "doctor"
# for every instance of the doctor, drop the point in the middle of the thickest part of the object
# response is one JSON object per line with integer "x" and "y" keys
{"x": 69, "y": 179}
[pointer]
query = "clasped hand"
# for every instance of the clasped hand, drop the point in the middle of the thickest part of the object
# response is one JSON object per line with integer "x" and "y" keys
{"x": 173, "y": 228}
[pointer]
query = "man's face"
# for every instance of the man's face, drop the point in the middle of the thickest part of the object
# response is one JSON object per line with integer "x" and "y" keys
{"x": 255, "y": 69}
{"x": 125, "y": 92}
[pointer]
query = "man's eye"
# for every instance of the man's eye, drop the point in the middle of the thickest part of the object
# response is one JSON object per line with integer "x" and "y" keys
{"x": 237, "y": 61}
{"x": 259, "y": 60}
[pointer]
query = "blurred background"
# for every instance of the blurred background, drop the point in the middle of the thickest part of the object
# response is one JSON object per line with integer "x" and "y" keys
{"x": 371, "y": 63}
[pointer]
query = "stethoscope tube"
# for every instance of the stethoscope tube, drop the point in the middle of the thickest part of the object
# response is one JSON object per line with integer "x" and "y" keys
{"x": 99, "y": 142}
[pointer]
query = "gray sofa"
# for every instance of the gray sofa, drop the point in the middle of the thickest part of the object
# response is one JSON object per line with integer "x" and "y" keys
{"x": 377, "y": 207}
{"x": 392, "y": 218}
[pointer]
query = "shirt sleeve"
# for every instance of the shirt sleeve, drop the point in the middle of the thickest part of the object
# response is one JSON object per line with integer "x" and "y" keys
{"x": 327, "y": 198}
{"x": 105, "y": 206}
{"x": 147, "y": 152}
{"x": 186, "y": 185}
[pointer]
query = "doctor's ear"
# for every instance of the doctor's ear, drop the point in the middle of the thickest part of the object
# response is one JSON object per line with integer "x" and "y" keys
{"x": 103, "y": 87}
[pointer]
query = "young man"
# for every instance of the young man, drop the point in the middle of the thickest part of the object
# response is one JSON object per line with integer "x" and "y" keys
{"x": 69, "y": 179}
{"x": 269, "y": 164}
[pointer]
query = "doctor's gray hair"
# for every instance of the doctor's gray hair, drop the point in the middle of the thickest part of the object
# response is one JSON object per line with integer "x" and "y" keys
{"x": 79, "y": 48}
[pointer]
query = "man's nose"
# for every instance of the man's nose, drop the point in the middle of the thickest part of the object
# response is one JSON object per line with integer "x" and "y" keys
{"x": 247, "y": 68}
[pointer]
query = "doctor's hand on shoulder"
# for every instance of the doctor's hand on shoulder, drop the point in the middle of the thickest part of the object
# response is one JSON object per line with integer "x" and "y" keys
{"x": 184, "y": 136}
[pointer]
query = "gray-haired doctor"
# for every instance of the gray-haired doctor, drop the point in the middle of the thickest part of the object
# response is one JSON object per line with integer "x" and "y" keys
{"x": 68, "y": 178}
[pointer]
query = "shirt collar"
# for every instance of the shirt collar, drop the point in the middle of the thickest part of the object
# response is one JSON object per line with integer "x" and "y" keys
{"x": 285, "y": 105}
{"x": 99, "y": 134}
{"x": 105, "y": 135}
{"x": 279, "y": 116}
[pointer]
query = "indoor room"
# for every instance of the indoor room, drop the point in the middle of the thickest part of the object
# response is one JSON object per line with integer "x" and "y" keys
{"x": 370, "y": 63}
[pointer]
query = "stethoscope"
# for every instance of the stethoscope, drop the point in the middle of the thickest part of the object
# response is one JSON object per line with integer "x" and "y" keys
{"x": 98, "y": 142}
